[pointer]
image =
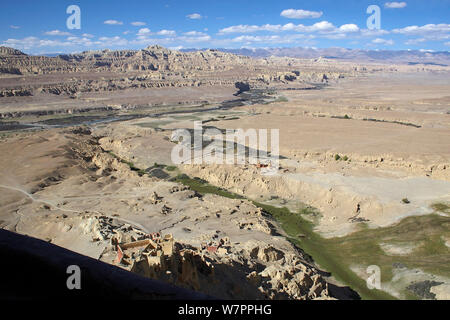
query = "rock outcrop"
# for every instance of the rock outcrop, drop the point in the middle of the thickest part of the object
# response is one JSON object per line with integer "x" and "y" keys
{"x": 253, "y": 271}
{"x": 152, "y": 67}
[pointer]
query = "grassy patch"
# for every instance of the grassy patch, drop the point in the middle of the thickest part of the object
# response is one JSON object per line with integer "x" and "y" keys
{"x": 300, "y": 233}
{"x": 157, "y": 165}
{"x": 130, "y": 164}
{"x": 338, "y": 157}
{"x": 346, "y": 117}
{"x": 281, "y": 99}
{"x": 324, "y": 252}
{"x": 203, "y": 187}
{"x": 363, "y": 247}
{"x": 394, "y": 122}
{"x": 153, "y": 124}
{"x": 441, "y": 207}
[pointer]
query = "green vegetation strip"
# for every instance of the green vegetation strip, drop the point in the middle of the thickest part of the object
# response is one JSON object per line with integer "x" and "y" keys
{"x": 361, "y": 248}
{"x": 424, "y": 234}
{"x": 130, "y": 164}
{"x": 300, "y": 233}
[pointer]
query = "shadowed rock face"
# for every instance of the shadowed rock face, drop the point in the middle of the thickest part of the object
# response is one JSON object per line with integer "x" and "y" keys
{"x": 242, "y": 87}
{"x": 36, "y": 269}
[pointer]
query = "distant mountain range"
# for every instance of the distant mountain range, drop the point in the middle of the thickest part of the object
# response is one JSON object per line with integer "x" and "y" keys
{"x": 152, "y": 58}
{"x": 412, "y": 57}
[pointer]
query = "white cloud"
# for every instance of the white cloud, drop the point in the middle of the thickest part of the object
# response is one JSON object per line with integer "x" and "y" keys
{"x": 194, "y": 16}
{"x": 395, "y": 5}
{"x": 270, "y": 35}
{"x": 143, "y": 31}
{"x": 373, "y": 32}
{"x": 273, "y": 39}
{"x": 14, "y": 27}
{"x": 240, "y": 29}
{"x": 428, "y": 28}
{"x": 194, "y": 33}
{"x": 349, "y": 28}
{"x": 300, "y": 14}
{"x": 166, "y": 33}
{"x": 32, "y": 42}
{"x": 383, "y": 42}
{"x": 138, "y": 23}
{"x": 113, "y": 22}
{"x": 77, "y": 41}
{"x": 255, "y": 38}
{"x": 57, "y": 33}
{"x": 322, "y": 29}
{"x": 204, "y": 38}
{"x": 108, "y": 42}
{"x": 319, "y": 26}
{"x": 429, "y": 32}
{"x": 415, "y": 41}
{"x": 170, "y": 41}
{"x": 322, "y": 26}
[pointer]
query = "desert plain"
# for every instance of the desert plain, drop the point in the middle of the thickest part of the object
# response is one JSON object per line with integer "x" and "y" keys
{"x": 364, "y": 176}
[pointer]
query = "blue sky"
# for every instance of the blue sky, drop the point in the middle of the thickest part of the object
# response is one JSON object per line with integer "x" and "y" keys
{"x": 40, "y": 26}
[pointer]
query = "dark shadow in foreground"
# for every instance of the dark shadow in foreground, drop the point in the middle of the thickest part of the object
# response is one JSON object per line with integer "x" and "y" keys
{"x": 35, "y": 269}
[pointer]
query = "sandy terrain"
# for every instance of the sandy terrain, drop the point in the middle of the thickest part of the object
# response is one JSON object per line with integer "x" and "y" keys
{"x": 369, "y": 147}
{"x": 65, "y": 184}
{"x": 385, "y": 162}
